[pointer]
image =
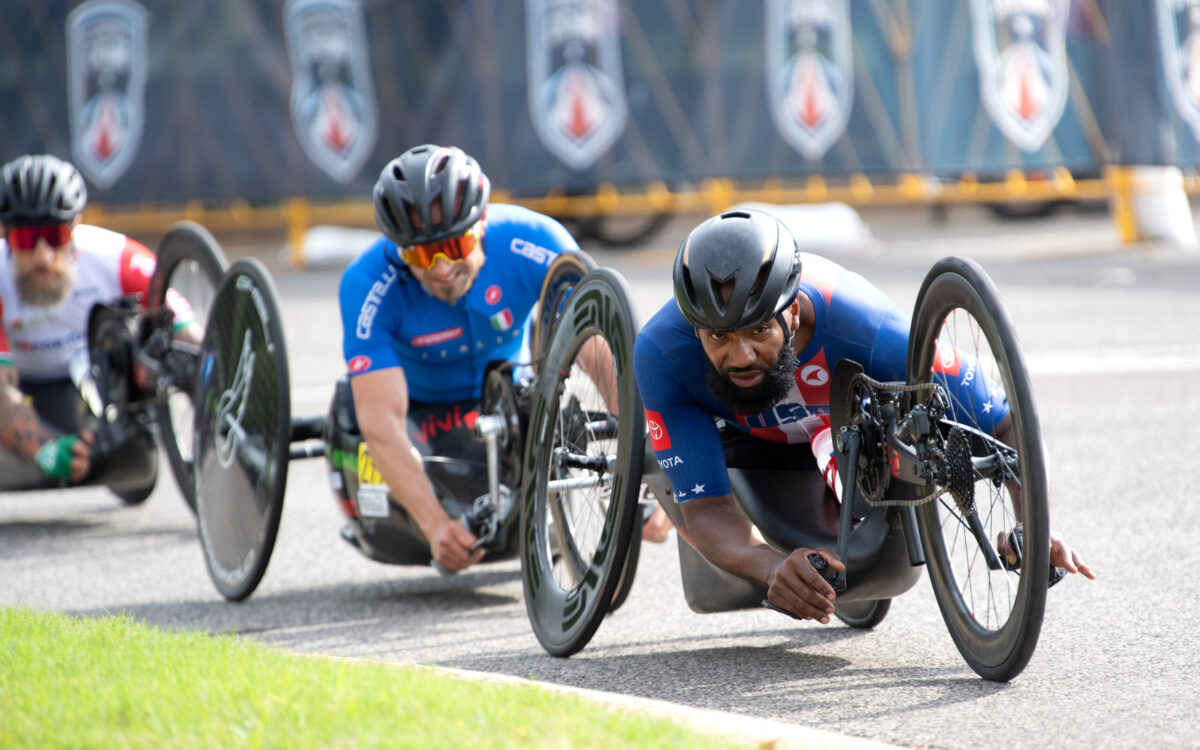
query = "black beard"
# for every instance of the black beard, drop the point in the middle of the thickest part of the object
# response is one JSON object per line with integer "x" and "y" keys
{"x": 776, "y": 383}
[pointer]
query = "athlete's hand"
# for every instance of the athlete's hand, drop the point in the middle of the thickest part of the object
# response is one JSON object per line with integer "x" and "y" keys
{"x": 451, "y": 546}
{"x": 1062, "y": 556}
{"x": 797, "y": 587}
{"x": 81, "y": 455}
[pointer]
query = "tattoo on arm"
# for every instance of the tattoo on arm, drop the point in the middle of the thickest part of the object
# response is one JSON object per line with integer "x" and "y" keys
{"x": 20, "y": 429}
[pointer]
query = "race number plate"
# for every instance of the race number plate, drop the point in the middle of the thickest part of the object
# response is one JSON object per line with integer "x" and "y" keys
{"x": 373, "y": 500}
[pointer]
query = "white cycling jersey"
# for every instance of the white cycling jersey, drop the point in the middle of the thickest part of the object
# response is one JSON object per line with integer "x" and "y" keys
{"x": 40, "y": 341}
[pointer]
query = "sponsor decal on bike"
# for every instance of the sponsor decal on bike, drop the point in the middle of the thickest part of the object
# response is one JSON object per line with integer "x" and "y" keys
{"x": 1021, "y": 52}
{"x": 1179, "y": 40}
{"x": 575, "y": 85}
{"x": 536, "y": 253}
{"x": 106, "y": 81}
{"x": 433, "y": 425}
{"x": 493, "y": 294}
{"x": 659, "y": 439}
{"x": 502, "y": 320}
{"x": 438, "y": 337}
{"x": 810, "y": 72}
{"x": 367, "y": 473}
{"x": 360, "y": 363}
{"x": 333, "y": 100}
{"x": 231, "y": 407}
{"x": 370, "y": 305}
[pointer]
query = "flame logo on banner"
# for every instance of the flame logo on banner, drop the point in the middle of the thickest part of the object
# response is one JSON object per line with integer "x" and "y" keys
{"x": 1179, "y": 40}
{"x": 106, "y": 62}
{"x": 1021, "y": 52}
{"x": 810, "y": 75}
{"x": 576, "y": 87}
{"x": 333, "y": 100}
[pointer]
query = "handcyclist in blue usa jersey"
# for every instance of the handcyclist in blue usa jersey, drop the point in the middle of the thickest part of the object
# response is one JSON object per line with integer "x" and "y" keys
{"x": 425, "y": 309}
{"x": 751, "y": 339}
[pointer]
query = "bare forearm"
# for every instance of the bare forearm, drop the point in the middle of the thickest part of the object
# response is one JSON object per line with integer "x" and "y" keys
{"x": 20, "y": 429}
{"x": 727, "y": 540}
{"x": 404, "y": 472}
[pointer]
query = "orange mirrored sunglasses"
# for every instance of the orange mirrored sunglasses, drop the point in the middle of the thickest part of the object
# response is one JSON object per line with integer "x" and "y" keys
{"x": 454, "y": 250}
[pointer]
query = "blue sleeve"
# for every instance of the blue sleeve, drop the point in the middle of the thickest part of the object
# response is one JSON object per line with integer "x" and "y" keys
{"x": 367, "y": 331}
{"x": 684, "y": 437}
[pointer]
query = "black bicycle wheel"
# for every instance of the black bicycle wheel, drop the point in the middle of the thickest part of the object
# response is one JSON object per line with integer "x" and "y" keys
{"x": 961, "y": 333}
{"x": 584, "y": 454}
{"x": 190, "y": 266}
{"x": 564, "y": 273}
{"x": 243, "y": 430}
{"x": 863, "y": 615}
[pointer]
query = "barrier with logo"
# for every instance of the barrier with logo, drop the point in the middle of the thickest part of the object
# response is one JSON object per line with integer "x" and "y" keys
{"x": 264, "y": 101}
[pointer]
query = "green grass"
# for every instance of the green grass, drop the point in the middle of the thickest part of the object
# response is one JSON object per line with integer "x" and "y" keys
{"x": 115, "y": 683}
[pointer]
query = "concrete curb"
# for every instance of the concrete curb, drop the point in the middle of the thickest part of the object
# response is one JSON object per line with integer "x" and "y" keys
{"x": 764, "y": 733}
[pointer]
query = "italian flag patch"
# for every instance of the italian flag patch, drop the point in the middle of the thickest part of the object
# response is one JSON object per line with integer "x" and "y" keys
{"x": 502, "y": 320}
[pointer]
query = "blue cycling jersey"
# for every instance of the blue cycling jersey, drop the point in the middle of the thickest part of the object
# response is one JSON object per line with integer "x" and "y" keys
{"x": 388, "y": 320}
{"x": 854, "y": 320}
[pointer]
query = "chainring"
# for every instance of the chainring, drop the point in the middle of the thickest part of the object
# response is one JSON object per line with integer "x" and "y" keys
{"x": 864, "y": 412}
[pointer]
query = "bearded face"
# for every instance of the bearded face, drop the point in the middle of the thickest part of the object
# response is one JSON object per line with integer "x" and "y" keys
{"x": 776, "y": 381}
{"x": 45, "y": 279}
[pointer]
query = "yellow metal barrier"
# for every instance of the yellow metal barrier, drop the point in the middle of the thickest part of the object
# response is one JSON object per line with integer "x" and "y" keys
{"x": 295, "y": 216}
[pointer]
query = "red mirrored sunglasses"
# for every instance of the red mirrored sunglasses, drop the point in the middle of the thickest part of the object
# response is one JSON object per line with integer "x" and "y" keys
{"x": 25, "y": 238}
{"x": 454, "y": 249}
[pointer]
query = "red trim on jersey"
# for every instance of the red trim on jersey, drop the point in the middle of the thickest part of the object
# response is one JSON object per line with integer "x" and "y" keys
{"x": 660, "y": 440}
{"x": 136, "y": 269}
{"x": 812, "y": 378}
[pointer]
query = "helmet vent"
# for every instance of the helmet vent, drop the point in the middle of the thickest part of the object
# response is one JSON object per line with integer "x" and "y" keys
{"x": 397, "y": 172}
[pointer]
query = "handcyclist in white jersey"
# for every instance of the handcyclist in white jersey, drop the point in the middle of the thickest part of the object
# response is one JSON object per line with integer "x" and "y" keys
{"x": 53, "y": 270}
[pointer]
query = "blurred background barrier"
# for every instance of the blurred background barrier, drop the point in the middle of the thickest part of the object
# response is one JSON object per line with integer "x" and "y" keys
{"x": 268, "y": 114}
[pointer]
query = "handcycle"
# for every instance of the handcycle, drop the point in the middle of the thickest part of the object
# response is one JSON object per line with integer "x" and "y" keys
{"x": 130, "y": 385}
{"x": 246, "y": 436}
{"x": 925, "y": 484}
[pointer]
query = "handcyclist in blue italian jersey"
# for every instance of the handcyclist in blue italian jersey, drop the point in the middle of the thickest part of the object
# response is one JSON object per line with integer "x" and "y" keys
{"x": 426, "y": 308}
{"x": 746, "y": 348}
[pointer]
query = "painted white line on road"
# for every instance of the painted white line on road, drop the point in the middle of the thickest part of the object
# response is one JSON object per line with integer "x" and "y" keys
{"x": 1113, "y": 361}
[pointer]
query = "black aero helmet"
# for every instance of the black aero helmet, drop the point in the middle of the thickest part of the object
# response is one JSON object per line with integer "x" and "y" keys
{"x": 40, "y": 189}
{"x": 411, "y": 183}
{"x": 755, "y": 251}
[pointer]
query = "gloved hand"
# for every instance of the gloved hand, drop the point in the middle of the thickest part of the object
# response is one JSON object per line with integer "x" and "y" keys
{"x": 65, "y": 458}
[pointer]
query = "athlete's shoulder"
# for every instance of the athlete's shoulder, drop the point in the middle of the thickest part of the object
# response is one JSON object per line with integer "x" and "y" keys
{"x": 94, "y": 240}
{"x": 526, "y": 233}
{"x": 667, "y": 335}
{"x": 378, "y": 259}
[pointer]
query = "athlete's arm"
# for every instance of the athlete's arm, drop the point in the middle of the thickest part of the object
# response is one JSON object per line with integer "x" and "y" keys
{"x": 381, "y": 399}
{"x": 23, "y": 433}
{"x": 723, "y": 535}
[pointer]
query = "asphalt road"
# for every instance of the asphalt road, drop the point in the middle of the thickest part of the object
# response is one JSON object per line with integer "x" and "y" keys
{"x": 1111, "y": 339}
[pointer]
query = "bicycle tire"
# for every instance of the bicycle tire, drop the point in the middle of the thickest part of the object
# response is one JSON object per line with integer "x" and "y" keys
{"x": 862, "y": 615}
{"x": 572, "y": 563}
{"x": 995, "y": 627}
{"x": 189, "y": 261}
{"x": 564, "y": 274}
{"x": 243, "y": 430}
